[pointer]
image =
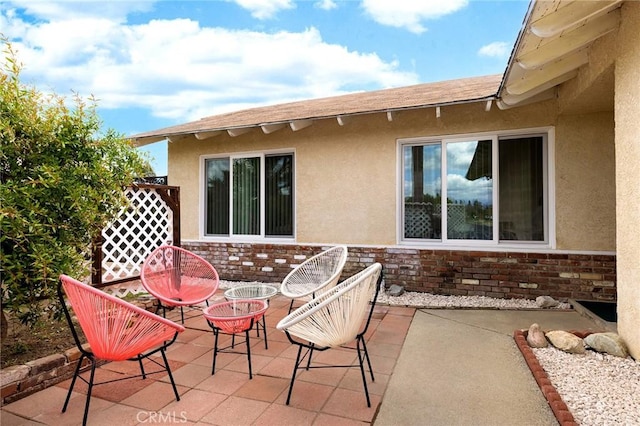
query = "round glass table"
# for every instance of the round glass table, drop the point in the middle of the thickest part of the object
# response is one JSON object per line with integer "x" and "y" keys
{"x": 234, "y": 317}
{"x": 254, "y": 292}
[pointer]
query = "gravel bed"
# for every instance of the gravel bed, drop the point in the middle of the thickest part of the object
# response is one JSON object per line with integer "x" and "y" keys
{"x": 599, "y": 389}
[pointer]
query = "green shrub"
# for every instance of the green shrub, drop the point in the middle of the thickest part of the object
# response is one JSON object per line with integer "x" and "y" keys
{"x": 62, "y": 181}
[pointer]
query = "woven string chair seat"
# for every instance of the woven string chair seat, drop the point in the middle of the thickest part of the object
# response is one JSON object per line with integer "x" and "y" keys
{"x": 314, "y": 275}
{"x": 177, "y": 277}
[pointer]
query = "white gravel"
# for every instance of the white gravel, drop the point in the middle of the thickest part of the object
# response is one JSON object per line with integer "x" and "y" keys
{"x": 599, "y": 389}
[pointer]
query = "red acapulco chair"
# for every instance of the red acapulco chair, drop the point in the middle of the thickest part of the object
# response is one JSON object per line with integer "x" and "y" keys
{"x": 178, "y": 277}
{"x": 116, "y": 330}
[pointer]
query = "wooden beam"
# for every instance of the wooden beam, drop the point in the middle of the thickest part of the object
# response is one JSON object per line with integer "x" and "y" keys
{"x": 207, "y": 135}
{"x": 238, "y": 131}
{"x": 343, "y": 119}
{"x": 270, "y": 128}
{"x": 300, "y": 124}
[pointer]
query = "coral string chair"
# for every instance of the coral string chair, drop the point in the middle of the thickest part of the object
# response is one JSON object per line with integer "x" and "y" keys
{"x": 334, "y": 319}
{"x": 314, "y": 275}
{"x": 116, "y": 330}
{"x": 178, "y": 277}
{"x": 234, "y": 317}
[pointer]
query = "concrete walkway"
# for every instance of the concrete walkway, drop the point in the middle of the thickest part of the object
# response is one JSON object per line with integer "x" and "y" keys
{"x": 462, "y": 367}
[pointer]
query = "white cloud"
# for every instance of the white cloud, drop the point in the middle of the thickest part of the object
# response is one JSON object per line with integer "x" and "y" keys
{"x": 410, "y": 14}
{"x": 325, "y": 4}
{"x": 180, "y": 70}
{"x": 73, "y": 9}
{"x": 497, "y": 49}
{"x": 265, "y": 9}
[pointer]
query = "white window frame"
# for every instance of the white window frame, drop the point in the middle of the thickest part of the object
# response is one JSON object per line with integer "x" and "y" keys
{"x": 495, "y": 244}
{"x": 202, "y": 213}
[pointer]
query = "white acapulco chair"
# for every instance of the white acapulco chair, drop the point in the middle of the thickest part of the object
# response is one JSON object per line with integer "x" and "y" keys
{"x": 314, "y": 275}
{"x": 333, "y": 319}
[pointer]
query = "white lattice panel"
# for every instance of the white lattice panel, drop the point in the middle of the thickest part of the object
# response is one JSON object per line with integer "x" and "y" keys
{"x": 145, "y": 225}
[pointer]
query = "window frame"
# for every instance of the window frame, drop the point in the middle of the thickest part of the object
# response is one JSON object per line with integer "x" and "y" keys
{"x": 548, "y": 135}
{"x": 202, "y": 205}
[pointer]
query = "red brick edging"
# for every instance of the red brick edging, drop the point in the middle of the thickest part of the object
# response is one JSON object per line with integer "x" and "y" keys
{"x": 558, "y": 406}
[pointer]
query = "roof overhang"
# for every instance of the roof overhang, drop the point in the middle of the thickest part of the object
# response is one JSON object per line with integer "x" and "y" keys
{"x": 302, "y": 114}
{"x": 553, "y": 44}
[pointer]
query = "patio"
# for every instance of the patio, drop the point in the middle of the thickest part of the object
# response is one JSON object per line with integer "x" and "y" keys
{"x": 324, "y": 396}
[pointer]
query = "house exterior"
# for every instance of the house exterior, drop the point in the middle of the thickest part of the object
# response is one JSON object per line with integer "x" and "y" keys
{"x": 513, "y": 185}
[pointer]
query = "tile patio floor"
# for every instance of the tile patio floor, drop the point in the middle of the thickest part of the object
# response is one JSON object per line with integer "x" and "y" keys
{"x": 320, "y": 397}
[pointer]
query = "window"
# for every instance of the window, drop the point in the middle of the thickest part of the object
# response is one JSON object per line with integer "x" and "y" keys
{"x": 487, "y": 189}
{"x": 249, "y": 195}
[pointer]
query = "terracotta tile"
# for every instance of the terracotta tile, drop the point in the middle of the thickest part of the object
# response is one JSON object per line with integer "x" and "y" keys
{"x": 306, "y": 396}
{"x": 402, "y": 310}
{"x": 324, "y": 376}
{"x": 153, "y": 397}
{"x": 204, "y": 338}
{"x": 274, "y": 350}
{"x": 241, "y": 364}
{"x": 353, "y": 381}
{"x": 278, "y": 367}
{"x": 194, "y": 404}
{"x": 283, "y": 415}
{"x": 187, "y": 352}
{"x": 115, "y": 391}
{"x": 328, "y": 420}
{"x": 335, "y": 356}
{"x": 236, "y": 411}
{"x": 388, "y": 336}
{"x": 119, "y": 414}
{"x": 9, "y": 419}
{"x": 74, "y": 413}
{"x": 224, "y": 359}
{"x": 223, "y": 382}
{"x": 190, "y": 375}
{"x": 188, "y": 335}
{"x": 291, "y": 352}
{"x": 351, "y": 404}
{"x": 262, "y": 388}
{"x": 47, "y": 400}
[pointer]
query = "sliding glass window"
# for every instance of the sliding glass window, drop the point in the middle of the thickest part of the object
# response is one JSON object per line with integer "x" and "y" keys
{"x": 250, "y": 195}
{"x": 491, "y": 189}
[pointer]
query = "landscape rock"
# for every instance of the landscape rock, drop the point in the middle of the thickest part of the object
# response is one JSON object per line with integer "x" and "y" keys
{"x": 396, "y": 290}
{"x": 610, "y": 343}
{"x": 536, "y": 337}
{"x": 546, "y": 302}
{"x": 566, "y": 341}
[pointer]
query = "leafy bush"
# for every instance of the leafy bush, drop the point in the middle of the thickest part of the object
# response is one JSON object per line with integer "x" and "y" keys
{"x": 62, "y": 181}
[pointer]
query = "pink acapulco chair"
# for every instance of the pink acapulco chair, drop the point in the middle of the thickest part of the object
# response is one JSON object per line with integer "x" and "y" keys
{"x": 234, "y": 317}
{"x": 116, "y": 330}
{"x": 178, "y": 277}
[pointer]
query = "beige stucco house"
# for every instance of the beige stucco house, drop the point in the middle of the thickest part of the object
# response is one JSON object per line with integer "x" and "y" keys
{"x": 513, "y": 185}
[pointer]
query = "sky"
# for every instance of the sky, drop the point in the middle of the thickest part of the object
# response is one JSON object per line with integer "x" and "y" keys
{"x": 153, "y": 64}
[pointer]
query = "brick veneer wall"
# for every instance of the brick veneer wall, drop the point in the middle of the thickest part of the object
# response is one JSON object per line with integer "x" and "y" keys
{"x": 450, "y": 272}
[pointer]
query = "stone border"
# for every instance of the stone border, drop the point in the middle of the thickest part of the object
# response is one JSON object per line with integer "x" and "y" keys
{"x": 558, "y": 406}
{"x": 19, "y": 381}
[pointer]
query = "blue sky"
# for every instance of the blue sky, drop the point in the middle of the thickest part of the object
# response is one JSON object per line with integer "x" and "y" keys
{"x": 153, "y": 64}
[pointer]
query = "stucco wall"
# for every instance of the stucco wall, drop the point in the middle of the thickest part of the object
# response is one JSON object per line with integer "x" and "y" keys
{"x": 627, "y": 124}
{"x": 346, "y": 176}
{"x": 585, "y": 182}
